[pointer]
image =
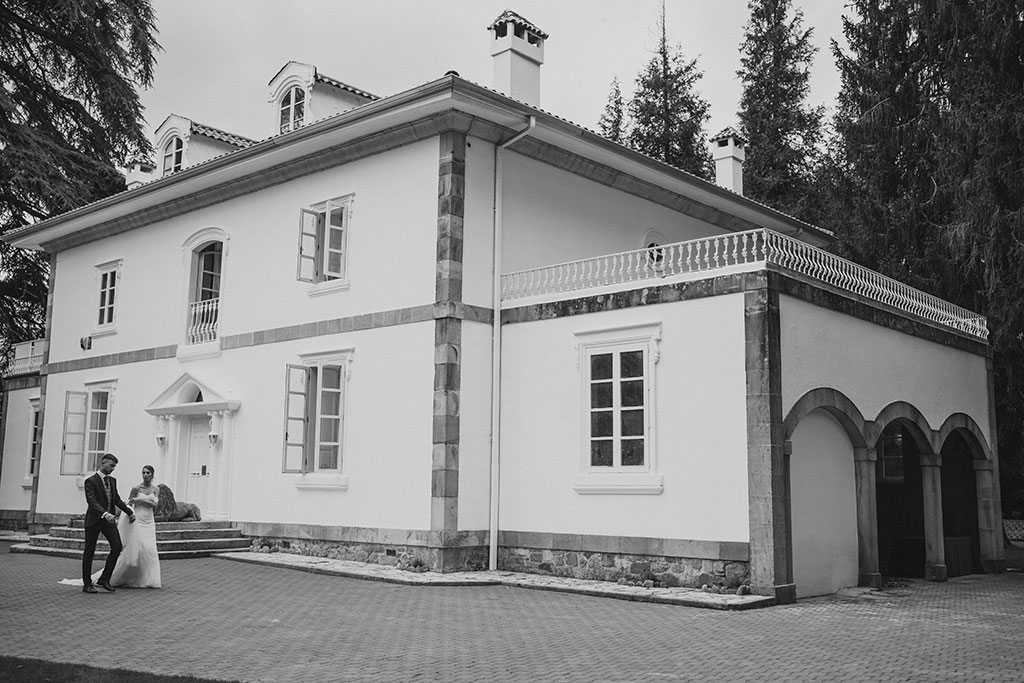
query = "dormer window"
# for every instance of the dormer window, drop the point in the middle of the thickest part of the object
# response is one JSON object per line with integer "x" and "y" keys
{"x": 173, "y": 152}
{"x": 293, "y": 108}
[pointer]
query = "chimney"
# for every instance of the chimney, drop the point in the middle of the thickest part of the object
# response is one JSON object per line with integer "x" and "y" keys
{"x": 140, "y": 172}
{"x": 517, "y": 47}
{"x": 727, "y": 149}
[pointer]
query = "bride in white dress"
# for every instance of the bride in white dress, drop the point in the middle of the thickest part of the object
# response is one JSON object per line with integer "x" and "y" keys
{"x": 139, "y": 564}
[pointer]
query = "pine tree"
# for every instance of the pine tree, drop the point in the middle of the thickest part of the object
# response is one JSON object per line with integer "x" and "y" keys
{"x": 667, "y": 114}
{"x": 69, "y": 115}
{"x": 783, "y": 131}
{"x": 612, "y": 122}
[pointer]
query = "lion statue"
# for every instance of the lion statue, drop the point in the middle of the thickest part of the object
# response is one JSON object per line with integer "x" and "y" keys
{"x": 169, "y": 510}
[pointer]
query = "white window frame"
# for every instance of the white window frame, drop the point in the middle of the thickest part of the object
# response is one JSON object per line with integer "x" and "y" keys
{"x": 293, "y": 122}
{"x": 173, "y": 156}
{"x": 303, "y": 420}
{"x": 618, "y": 479}
{"x": 109, "y": 289}
{"x": 78, "y": 456}
{"x": 316, "y": 248}
{"x": 35, "y": 435}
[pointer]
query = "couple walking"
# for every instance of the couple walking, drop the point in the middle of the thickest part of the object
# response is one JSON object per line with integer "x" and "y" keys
{"x": 134, "y": 562}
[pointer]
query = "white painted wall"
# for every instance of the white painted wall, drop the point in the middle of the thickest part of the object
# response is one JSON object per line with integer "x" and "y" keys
{"x": 15, "y": 491}
{"x": 552, "y": 216}
{"x": 201, "y": 148}
{"x": 475, "y": 427}
{"x": 701, "y": 436}
{"x": 874, "y": 366}
{"x": 392, "y": 245}
{"x": 478, "y": 223}
{"x": 824, "y": 507}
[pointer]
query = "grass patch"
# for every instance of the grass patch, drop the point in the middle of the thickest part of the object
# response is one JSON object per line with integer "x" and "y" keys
{"x": 18, "y": 670}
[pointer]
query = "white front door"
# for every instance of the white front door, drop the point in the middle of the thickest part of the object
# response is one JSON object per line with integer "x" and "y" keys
{"x": 199, "y": 485}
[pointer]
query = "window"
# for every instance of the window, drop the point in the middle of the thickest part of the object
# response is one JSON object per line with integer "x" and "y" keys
{"x": 618, "y": 392}
{"x": 109, "y": 278}
{"x": 173, "y": 153}
{"x": 86, "y": 430}
{"x": 293, "y": 106}
{"x": 890, "y": 454}
{"x": 204, "y": 307}
{"x": 314, "y": 415}
{"x": 323, "y": 238}
{"x": 35, "y": 433}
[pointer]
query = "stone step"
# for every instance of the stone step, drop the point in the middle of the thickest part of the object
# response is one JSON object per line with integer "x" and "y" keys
{"x": 209, "y": 545}
{"x": 101, "y": 554}
{"x": 162, "y": 533}
{"x": 79, "y": 523}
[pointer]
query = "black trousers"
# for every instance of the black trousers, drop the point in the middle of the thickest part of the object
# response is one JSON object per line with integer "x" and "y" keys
{"x": 92, "y": 534}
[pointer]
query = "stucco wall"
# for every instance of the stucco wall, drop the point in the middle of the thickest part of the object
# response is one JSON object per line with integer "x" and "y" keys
{"x": 874, "y": 366}
{"x": 387, "y": 440}
{"x": 824, "y": 507}
{"x": 700, "y": 432}
{"x": 391, "y": 262}
{"x": 552, "y": 216}
{"x": 17, "y": 439}
{"x": 475, "y": 427}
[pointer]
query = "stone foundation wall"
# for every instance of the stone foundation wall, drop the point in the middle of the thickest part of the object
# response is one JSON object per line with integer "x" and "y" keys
{"x": 413, "y": 558}
{"x": 622, "y": 568}
{"x": 14, "y": 520}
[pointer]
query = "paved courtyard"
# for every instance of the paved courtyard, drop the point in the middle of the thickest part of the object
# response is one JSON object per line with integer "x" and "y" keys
{"x": 250, "y": 622}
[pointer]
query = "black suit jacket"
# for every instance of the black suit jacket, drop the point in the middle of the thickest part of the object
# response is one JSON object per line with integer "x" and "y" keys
{"x": 96, "y": 499}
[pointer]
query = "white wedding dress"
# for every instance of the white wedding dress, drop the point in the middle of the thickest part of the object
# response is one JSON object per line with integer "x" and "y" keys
{"x": 138, "y": 566}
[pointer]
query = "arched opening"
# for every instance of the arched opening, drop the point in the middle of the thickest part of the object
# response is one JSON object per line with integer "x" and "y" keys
{"x": 960, "y": 506}
{"x": 824, "y": 506}
{"x": 204, "y": 297}
{"x": 899, "y": 497}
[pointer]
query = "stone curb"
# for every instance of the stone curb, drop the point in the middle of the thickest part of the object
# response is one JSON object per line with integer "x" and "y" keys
{"x": 685, "y": 597}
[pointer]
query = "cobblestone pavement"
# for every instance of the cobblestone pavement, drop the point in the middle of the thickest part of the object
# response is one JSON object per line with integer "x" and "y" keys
{"x": 252, "y": 622}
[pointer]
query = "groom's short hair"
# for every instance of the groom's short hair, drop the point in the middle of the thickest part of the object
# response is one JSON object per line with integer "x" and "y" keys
{"x": 109, "y": 456}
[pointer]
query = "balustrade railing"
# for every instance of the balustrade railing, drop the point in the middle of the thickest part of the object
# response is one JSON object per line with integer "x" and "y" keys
{"x": 26, "y": 357}
{"x": 743, "y": 251}
{"x": 202, "y": 326}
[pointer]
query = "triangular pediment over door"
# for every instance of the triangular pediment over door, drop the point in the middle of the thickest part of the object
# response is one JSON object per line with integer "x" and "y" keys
{"x": 191, "y": 396}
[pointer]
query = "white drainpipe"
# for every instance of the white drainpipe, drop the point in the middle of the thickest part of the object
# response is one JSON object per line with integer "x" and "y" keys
{"x": 496, "y": 349}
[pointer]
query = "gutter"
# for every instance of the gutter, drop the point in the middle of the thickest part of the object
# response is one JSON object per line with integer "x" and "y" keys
{"x": 496, "y": 348}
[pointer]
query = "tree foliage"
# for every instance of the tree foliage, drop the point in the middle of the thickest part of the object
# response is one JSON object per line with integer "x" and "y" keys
{"x": 69, "y": 116}
{"x": 929, "y": 170}
{"x": 612, "y": 123}
{"x": 667, "y": 113}
{"x": 784, "y": 132}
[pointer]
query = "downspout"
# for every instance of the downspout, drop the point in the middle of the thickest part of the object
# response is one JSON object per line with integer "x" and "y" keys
{"x": 496, "y": 348}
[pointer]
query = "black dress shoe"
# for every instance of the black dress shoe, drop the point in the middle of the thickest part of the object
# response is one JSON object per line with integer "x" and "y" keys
{"x": 88, "y": 588}
{"x": 105, "y": 585}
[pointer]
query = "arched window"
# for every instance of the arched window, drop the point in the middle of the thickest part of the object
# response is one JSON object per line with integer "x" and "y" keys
{"x": 204, "y": 308}
{"x": 173, "y": 155}
{"x": 293, "y": 108}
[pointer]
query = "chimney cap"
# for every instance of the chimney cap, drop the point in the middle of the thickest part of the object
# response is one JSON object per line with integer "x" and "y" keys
{"x": 517, "y": 19}
{"x": 727, "y": 133}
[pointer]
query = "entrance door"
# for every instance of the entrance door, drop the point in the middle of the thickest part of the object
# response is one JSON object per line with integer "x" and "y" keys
{"x": 198, "y": 475}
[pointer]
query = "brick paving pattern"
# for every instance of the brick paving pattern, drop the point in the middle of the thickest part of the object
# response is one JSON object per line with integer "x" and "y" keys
{"x": 250, "y": 622}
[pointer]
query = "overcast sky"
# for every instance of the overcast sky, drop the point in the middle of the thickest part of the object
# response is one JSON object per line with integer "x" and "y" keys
{"x": 219, "y": 55}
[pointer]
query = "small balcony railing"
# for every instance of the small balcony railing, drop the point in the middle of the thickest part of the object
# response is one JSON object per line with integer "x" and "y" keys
{"x": 202, "y": 327}
{"x": 735, "y": 252}
{"x": 26, "y": 357}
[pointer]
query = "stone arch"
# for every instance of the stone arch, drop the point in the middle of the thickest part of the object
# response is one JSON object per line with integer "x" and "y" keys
{"x": 964, "y": 423}
{"x": 909, "y": 415}
{"x": 836, "y": 404}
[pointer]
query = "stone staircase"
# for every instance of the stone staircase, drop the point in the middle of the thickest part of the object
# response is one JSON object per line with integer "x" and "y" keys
{"x": 174, "y": 540}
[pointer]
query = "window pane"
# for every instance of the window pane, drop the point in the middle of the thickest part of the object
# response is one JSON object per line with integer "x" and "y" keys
{"x": 337, "y": 216}
{"x": 601, "y": 453}
{"x": 892, "y": 467}
{"x": 633, "y": 393}
{"x": 328, "y": 458}
{"x": 601, "y": 423}
{"x": 601, "y": 395}
{"x": 632, "y": 423}
{"x": 601, "y": 366}
{"x": 632, "y": 363}
{"x": 300, "y": 94}
{"x": 297, "y": 118}
{"x": 331, "y": 377}
{"x": 329, "y": 429}
{"x": 330, "y": 403}
{"x": 632, "y": 452}
{"x": 334, "y": 238}
{"x": 99, "y": 400}
{"x": 334, "y": 262}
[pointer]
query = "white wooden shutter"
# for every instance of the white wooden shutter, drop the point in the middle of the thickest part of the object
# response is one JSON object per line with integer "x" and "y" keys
{"x": 73, "y": 452}
{"x": 306, "y": 270}
{"x": 334, "y": 241}
{"x": 296, "y": 419}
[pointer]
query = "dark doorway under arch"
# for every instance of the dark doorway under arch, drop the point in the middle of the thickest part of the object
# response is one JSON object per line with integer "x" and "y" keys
{"x": 960, "y": 507}
{"x": 899, "y": 498}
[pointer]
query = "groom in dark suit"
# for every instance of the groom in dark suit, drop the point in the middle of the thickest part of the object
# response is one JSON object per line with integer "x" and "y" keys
{"x": 101, "y": 499}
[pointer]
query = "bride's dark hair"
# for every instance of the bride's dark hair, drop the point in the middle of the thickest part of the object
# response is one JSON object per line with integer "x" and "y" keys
{"x": 148, "y": 467}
